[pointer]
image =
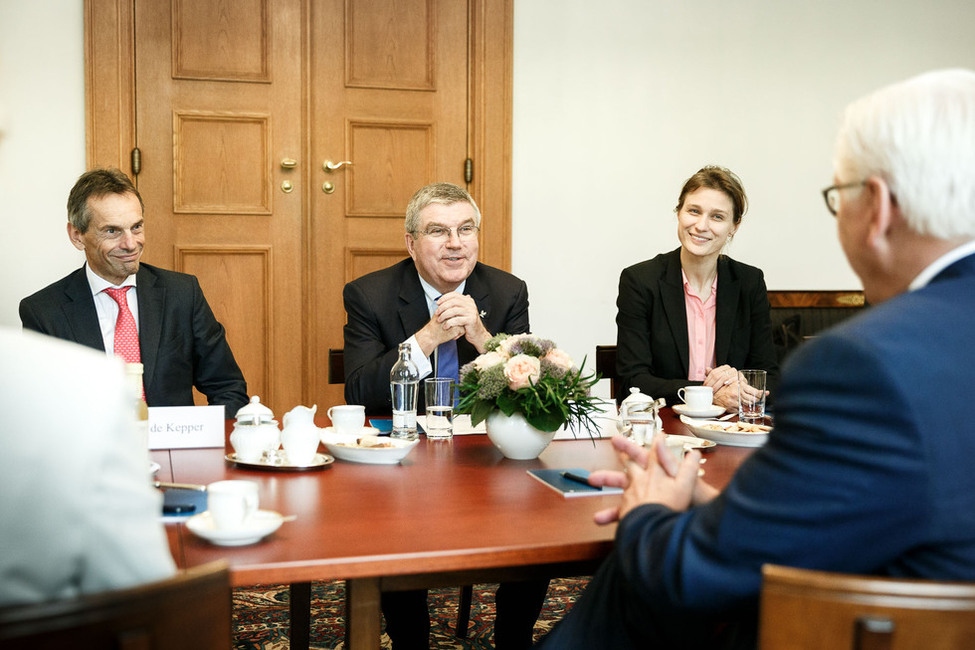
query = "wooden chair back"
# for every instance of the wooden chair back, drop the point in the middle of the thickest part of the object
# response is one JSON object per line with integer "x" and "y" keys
{"x": 606, "y": 366}
{"x": 190, "y": 611}
{"x": 803, "y": 609}
{"x": 336, "y": 366}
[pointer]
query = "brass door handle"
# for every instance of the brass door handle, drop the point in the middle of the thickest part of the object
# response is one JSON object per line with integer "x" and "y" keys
{"x": 289, "y": 163}
{"x": 330, "y": 167}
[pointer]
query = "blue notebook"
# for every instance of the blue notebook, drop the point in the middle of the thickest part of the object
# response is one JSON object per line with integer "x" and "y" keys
{"x": 554, "y": 479}
{"x": 179, "y": 503}
{"x": 386, "y": 426}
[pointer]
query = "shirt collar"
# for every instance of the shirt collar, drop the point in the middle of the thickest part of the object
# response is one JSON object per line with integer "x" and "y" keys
{"x": 97, "y": 284}
{"x": 431, "y": 292}
{"x": 940, "y": 264}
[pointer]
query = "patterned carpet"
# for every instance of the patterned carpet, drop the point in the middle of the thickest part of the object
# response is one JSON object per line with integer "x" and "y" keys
{"x": 261, "y": 616}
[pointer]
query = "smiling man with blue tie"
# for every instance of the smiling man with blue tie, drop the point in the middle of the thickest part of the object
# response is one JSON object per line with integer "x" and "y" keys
{"x": 447, "y": 305}
{"x": 441, "y": 300}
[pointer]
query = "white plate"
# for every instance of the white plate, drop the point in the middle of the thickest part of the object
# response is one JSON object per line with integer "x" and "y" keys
{"x": 712, "y": 411}
{"x": 262, "y": 524}
{"x": 731, "y": 438}
{"x": 691, "y": 442}
{"x": 375, "y": 455}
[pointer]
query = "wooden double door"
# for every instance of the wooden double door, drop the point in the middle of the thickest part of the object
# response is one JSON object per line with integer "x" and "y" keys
{"x": 277, "y": 143}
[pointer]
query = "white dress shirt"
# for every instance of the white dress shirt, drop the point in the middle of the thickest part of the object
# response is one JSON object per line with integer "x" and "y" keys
{"x": 940, "y": 264}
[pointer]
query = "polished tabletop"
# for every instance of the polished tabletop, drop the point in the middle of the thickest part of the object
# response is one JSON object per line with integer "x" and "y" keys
{"x": 452, "y": 512}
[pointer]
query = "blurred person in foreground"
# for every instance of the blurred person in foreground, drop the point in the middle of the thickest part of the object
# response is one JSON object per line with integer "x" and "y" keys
{"x": 174, "y": 333}
{"x": 442, "y": 299}
{"x": 79, "y": 512}
{"x": 694, "y": 316}
{"x": 868, "y": 468}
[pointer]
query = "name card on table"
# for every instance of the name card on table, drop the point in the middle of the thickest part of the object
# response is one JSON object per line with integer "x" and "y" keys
{"x": 180, "y": 427}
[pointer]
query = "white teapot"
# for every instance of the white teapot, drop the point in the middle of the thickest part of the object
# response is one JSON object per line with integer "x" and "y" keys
{"x": 639, "y": 419}
{"x": 300, "y": 436}
{"x": 255, "y": 432}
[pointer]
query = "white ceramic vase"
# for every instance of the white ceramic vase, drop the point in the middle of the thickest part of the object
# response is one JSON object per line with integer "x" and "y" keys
{"x": 515, "y": 438}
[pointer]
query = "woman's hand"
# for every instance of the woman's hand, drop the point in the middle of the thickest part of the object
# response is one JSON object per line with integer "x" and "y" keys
{"x": 724, "y": 381}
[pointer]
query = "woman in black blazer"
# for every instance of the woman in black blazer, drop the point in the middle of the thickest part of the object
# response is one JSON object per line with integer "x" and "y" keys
{"x": 732, "y": 330}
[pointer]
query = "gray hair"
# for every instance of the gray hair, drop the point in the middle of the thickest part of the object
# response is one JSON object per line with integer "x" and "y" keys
{"x": 96, "y": 182}
{"x": 917, "y": 135}
{"x": 443, "y": 193}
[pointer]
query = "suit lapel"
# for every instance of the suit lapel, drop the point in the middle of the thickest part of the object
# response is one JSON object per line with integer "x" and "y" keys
{"x": 671, "y": 288}
{"x": 79, "y": 312}
{"x": 729, "y": 292}
{"x": 413, "y": 312}
{"x": 152, "y": 302}
{"x": 477, "y": 289}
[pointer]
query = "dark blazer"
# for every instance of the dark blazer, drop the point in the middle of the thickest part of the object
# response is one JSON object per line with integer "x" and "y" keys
{"x": 181, "y": 343}
{"x": 868, "y": 471}
{"x": 387, "y": 307}
{"x": 652, "y": 352}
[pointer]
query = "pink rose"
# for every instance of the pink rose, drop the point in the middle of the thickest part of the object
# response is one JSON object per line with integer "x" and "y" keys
{"x": 521, "y": 370}
{"x": 559, "y": 358}
{"x": 487, "y": 360}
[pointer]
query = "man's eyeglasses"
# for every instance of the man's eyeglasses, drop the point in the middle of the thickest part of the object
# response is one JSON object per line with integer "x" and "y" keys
{"x": 832, "y": 195}
{"x": 442, "y": 233}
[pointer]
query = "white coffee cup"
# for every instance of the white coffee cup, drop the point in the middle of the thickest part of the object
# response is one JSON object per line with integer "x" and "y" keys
{"x": 348, "y": 418}
{"x": 697, "y": 398}
{"x": 231, "y": 503}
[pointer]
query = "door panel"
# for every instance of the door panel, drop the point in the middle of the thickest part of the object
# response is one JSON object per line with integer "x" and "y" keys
{"x": 230, "y": 101}
{"x": 218, "y": 90}
{"x": 402, "y": 74}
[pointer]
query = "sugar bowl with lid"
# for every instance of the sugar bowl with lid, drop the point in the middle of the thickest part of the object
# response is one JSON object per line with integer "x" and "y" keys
{"x": 255, "y": 432}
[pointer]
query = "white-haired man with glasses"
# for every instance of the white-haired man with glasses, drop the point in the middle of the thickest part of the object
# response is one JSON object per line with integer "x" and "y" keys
{"x": 440, "y": 299}
{"x": 868, "y": 469}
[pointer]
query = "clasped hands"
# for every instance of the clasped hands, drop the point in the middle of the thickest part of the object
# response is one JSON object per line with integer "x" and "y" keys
{"x": 456, "y": 316}
{"x": 652, "y": 475}
{"x": 726, "y": 381}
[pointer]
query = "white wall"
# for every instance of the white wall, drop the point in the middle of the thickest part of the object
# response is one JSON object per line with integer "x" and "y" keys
{"x": 616, "y": 103}
{"x": 42, "y": 148}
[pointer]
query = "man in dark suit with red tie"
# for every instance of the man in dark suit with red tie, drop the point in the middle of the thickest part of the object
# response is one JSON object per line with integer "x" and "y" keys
{"x": 440, "y": 300}
{"x": 165, "y": 323}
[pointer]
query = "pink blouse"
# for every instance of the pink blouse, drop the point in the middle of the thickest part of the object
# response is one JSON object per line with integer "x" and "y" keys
{"x": 700, "y": 328}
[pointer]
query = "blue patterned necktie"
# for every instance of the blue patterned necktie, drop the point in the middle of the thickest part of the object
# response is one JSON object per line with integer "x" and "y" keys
{"x": 447, "y": 365}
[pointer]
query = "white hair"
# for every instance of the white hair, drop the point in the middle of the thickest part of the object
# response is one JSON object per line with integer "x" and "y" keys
{"x": 919, "y": 137}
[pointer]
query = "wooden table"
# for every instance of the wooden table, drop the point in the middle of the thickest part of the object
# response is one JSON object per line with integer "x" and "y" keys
{"x": 453, "y": 512}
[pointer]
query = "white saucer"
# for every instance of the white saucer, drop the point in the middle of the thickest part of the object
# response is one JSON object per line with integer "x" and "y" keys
{"x": 712, "y": 411}
{"x": 259, "y": 526}
{"x": 689, "y": 442}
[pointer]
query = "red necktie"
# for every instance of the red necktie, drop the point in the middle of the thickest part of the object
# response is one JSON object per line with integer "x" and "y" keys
{"x": 126, "y": 336}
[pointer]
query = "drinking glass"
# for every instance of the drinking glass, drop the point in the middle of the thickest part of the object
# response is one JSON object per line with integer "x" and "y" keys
{"x": 439, "y": 393}
{"x": 751, "y": 396}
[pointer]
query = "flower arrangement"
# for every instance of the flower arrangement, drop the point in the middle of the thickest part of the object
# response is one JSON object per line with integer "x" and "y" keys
{"x": 528, "y": 375}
